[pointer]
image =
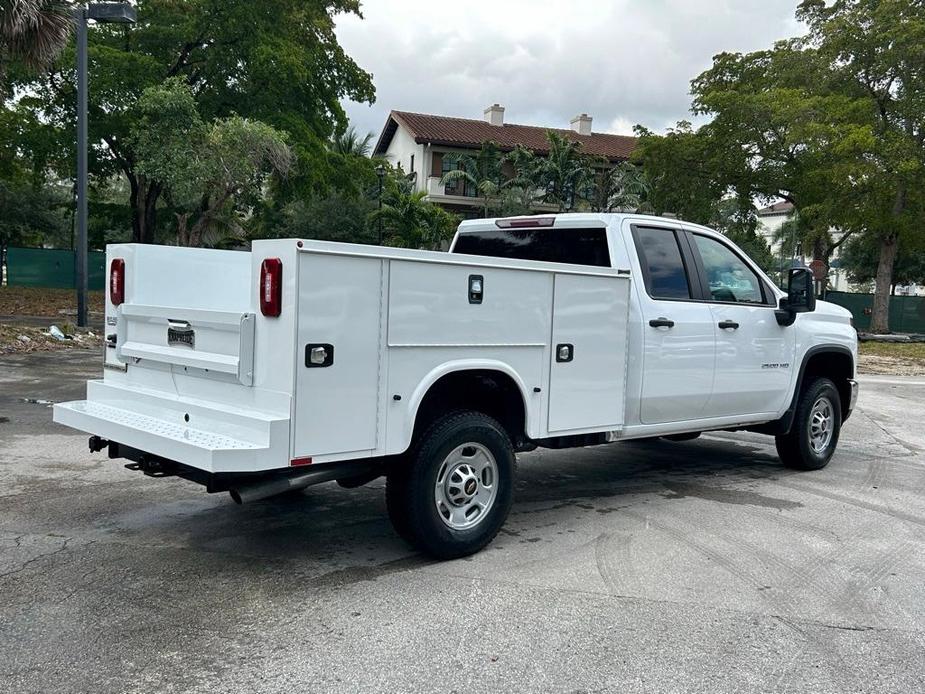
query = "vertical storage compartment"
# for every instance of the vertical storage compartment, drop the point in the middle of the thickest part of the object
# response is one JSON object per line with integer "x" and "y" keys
{"x": 587, "y": 378}
{"x": 337, "y": 354}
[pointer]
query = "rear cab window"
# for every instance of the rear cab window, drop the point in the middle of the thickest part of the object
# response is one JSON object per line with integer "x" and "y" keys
{"x": 577, "y": 246}
{"x": 662, "y": 263}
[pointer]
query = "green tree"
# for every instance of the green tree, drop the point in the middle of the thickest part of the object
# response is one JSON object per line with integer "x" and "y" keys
{"x": 861, "y": 258}
{"x": 736, "y": 219}
{"x": 410, "y": 221}
{"x": 873, "y": 52}
{"x": 335, "y": 216}
{"x": 620, "y": 187}
{"x": 564, "y": 173}
{"x": 480, "y": 171}
{"x": 33, "y": 32}
{"x": 277, "y": 62}
{"x": 519, "y": 191}
{"x": 683, "y": 178}
{"x": 208, "y": 172}
{"x": 33, "y": 216}
{"x": 350, "y": 142}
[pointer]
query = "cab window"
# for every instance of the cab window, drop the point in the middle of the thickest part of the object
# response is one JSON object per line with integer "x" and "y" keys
{"x": 730, "y": 280}
{"x": 662, "y": 265}
{"x": 548, "y": 245}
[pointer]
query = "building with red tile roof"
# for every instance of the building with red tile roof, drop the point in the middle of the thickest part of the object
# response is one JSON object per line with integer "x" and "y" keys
{"x": 418, "y": 142}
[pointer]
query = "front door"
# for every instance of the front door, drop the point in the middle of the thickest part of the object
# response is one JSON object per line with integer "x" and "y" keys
{"x": 754, "y": 355}
{"x": 678, "y": 334}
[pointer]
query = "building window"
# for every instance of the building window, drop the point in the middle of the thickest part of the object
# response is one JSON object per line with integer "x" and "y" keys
{"x": 458, "y": 187}
{"x": 412, "y": 163}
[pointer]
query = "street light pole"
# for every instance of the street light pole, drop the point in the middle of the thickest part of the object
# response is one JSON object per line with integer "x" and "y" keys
{"x": 81, "y": 269}
{"x": 108, "y": 12}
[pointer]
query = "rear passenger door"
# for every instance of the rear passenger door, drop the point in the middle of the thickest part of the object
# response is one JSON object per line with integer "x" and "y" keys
{"x": 678, "y": 332}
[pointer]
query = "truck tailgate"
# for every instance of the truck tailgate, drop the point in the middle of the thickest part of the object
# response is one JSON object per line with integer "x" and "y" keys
{"x": 214, "y": 341}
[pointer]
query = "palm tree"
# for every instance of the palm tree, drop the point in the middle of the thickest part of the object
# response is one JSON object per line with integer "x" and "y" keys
{"x": 410, "y": 221}
{"x": 622, "y": 187}
{"x": 349, "y": 142}
{"x": 33, "y": 32}
{"x": 481, "y": 172}
{"x": 519, "y": 192}
{"x": 564, "y": 173}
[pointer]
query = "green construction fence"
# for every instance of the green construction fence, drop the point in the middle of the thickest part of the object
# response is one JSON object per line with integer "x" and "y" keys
{"x": 907, "y": 313}
{"x": 46, "y": 267}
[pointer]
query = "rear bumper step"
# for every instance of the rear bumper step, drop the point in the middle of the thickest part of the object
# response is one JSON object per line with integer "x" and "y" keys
{"x": 209, "y": 439}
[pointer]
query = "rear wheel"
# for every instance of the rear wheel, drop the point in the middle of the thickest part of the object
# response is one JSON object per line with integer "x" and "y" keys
{"x": 813, "y": 436}
{"x": 453, "y": 492}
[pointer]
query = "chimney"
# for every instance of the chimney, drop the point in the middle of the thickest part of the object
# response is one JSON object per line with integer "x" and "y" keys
{"x": 494, "y": 114}
{"x": 582, "y": 124}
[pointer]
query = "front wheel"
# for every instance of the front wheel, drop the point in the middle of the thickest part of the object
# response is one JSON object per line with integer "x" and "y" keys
{"x": 452, "y": 493}
{"x": 813, "y": 436}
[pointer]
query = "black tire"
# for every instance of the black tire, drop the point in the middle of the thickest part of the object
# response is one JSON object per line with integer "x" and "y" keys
{"x": 688, "y": 436}
{"x": 410, "y": 487}
{"x": 796, "y": 449}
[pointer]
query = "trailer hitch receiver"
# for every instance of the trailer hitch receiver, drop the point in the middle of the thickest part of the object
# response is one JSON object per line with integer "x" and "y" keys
{"x": 97, "y": 443}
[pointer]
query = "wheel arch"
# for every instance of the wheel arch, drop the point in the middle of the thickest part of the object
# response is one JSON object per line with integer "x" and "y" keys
{"x": 835, "y": 362}
{"x": 464, "y": 384}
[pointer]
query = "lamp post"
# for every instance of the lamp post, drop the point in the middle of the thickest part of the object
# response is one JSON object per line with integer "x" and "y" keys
{"x": 111, "y": 12}
{"x": 380, "y": 172}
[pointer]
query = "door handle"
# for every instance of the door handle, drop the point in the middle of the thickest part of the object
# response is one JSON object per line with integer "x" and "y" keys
{"x": 661, "y": 323}
{"x": 728, "y": 324}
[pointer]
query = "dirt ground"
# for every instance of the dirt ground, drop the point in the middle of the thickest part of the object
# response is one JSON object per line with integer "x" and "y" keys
{"x": 26, "y": 313}
{"x": 892, "y": 359}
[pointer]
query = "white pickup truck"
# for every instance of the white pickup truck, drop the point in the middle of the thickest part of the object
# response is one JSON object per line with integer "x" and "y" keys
{"x": 303, "y": 361}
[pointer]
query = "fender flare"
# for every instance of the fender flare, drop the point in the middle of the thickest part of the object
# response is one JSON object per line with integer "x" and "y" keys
{"x": 786, "y": 420}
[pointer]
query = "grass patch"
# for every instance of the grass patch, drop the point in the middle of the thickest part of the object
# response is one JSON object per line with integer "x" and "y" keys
{"x": 41, "y": 301}
{"x": 912, "y": 351}
{"x": 892, "y": 358}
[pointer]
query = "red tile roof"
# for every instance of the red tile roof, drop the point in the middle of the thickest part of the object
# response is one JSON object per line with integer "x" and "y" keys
{"x": 466, "y": 132}
{"x": 782, "y": 207}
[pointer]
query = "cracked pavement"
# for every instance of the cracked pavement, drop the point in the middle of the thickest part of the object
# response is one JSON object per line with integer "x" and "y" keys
{"x": 699, "y": 566}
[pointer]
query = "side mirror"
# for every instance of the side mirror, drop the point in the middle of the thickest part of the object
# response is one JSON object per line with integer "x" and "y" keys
{"x": 801, "y": 296}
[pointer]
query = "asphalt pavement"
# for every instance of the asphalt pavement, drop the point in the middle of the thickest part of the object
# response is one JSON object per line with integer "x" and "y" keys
{"x": 640, "y": 567}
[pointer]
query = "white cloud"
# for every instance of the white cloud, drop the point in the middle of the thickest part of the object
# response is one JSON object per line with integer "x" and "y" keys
{"x": 623, "y": 62}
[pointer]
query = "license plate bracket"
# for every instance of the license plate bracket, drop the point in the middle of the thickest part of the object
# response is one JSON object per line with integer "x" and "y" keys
{"x": 181, "y": 333}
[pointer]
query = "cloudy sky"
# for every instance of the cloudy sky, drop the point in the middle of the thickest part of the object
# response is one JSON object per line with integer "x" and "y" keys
{"x": 621, "y": 61}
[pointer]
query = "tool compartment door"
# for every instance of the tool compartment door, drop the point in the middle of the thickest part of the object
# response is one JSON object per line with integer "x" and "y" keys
{"x": 587, "y": 379}
{"x": 337, "y": 403}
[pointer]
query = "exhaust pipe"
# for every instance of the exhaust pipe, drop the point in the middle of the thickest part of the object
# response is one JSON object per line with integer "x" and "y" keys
{"x": 290, "y": 483}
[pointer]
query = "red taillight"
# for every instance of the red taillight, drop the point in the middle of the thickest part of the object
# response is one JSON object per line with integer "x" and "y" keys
{"x": 271, "y": 287}
{"x": 117, "y": 281}
{"x": 300, "y": 461}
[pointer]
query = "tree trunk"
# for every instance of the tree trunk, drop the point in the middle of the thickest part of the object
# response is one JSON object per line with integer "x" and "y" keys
{"x": 153, "y": 193}
{"x": 821, "y": 252}
{"x": 182, "y": 233}
{"x": 143, "y": 199}
{"x": 880, "y": 316}
{"x": 133, "y": 204}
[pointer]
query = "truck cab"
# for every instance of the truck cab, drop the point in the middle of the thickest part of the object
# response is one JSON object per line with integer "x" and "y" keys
{"x": 302, "y": 361}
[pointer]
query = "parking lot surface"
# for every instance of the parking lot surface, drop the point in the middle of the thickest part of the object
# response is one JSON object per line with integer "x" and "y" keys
{"x": 639, "y": 567}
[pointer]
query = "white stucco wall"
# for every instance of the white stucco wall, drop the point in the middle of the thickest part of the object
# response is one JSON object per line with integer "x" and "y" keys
{"x": 399, "y": 152}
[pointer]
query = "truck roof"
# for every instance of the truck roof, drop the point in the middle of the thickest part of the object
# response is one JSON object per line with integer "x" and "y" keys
{"x": 573, "y": 219}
